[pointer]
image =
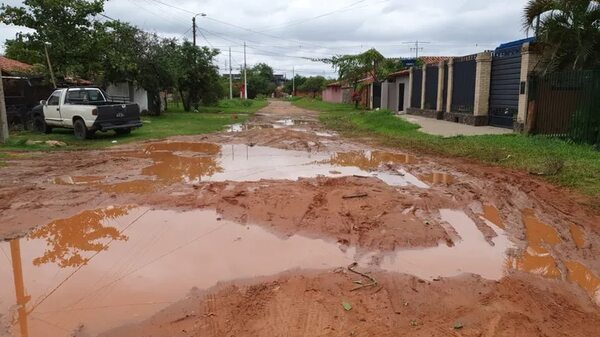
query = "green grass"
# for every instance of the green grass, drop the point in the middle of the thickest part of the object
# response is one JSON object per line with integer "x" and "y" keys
{"x": 155, "y": 127}
{"x": 560, "y": 162}
{"x": 229, "y": 106}
{"x": 171, "y": 123}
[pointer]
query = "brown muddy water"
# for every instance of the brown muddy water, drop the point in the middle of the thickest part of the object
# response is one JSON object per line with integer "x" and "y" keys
{"x": 192, "y": 163}
{"x": 107, "y": 267}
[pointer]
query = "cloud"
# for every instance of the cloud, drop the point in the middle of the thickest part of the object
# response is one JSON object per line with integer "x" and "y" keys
{"x": 280, "y": 33}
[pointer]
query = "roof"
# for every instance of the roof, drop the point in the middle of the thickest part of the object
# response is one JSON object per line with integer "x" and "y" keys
{"x": 517, "y": 43}
{"x": 334, "y": 84}
{"x": 433, "y": 59}
{"x": 400, "y": 73}
{"x": 10, "y": 65}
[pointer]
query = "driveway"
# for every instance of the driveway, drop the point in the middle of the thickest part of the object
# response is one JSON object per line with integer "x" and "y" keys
{"x": 450, "y": 129}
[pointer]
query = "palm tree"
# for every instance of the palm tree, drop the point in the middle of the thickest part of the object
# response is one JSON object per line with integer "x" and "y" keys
{"x": 568, "y": 31}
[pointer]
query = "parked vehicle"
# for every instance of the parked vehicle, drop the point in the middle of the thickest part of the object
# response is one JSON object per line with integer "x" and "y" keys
{"x": 85, "y": 110}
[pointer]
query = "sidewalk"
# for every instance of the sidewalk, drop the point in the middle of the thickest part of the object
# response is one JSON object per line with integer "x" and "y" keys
{"x": 450, "y": 129}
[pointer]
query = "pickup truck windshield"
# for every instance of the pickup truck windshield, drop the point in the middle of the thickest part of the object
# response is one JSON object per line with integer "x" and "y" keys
{"x": 82, "y": 96}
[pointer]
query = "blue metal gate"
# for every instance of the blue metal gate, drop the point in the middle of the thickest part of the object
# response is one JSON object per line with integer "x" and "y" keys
{"x": 505, "y": 84}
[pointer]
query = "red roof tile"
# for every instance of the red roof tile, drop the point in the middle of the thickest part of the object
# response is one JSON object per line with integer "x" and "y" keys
{"x": 433, "y": 59}
{"x": 11, "y": 65}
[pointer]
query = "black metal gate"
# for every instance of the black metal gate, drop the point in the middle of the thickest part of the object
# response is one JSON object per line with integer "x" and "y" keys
{"x": 376, "y": 95}
{"x": 504, "y": 86}
{"x": 431, "y": 87}
{"x": 415, "y": 100}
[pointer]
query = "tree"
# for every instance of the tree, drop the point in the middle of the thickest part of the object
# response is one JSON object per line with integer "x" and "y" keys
{"x": 298, "y": 81}
{"x": 370, "y": 64}
{"x": 260, "y": 80}
{"x": 568, "y": 31}
{"x": 197, "y": 76}
{"x": 65, "y": 25}
{"x": 313, "y": 84}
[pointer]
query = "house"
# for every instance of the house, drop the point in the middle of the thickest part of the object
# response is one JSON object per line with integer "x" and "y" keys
{"x": 22, "y": 91}
{"x": 128, "y": 91}
{"x": 333, "y": 93}
{"x": 394, "y": 92}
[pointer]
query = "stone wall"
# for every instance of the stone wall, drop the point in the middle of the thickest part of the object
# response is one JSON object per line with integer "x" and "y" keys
{"x": 425, "y": 113}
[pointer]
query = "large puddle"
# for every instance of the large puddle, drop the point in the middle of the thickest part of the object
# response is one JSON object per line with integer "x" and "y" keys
{"x": 193, "y": 163}
{"x": 107, "y": 267}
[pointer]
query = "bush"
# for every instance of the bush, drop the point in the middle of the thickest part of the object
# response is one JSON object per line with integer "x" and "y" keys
{"x": 260, "y": 97}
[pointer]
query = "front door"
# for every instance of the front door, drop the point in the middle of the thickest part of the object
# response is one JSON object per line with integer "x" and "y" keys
{"x": 52, "y": 109}
{"x": 400, "y": 96}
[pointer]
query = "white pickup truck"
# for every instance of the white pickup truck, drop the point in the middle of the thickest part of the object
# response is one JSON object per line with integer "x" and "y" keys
{"x": 85, "y": 110}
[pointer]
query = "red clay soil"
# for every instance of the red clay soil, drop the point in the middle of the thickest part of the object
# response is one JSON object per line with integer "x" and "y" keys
{"x": 552, "y": 273}
{"x": 311, "y": 304}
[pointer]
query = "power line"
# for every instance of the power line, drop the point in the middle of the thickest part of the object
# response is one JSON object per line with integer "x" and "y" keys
{"x": 174, "y": 7}
{"x": 204, "y": 36}
{"x": 301, "y": 21}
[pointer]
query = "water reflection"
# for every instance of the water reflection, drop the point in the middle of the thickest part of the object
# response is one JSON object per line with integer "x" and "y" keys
{"x": 537, "y": 259}
{"x": 195, "y": 162}
{"x": 369, "y": 160}
{"x": 438, "y": 178}
{"x": 22, "y": 299}
{"x": 67, "y": 239}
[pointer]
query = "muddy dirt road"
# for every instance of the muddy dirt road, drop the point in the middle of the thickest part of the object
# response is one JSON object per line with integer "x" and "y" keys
{"x": 254, "y": 231}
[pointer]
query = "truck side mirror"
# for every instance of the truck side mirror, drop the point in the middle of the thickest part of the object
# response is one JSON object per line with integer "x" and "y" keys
{"x": 43, "y": 102}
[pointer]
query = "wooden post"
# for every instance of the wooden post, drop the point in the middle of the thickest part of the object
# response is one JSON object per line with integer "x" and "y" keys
{"x": 3, "y": 118}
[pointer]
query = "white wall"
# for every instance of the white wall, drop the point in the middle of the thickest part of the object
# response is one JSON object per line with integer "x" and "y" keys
{"x": 140, "y": 96}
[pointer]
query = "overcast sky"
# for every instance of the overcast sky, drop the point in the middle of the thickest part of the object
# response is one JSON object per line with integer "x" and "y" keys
{"x": 284, "y": 33}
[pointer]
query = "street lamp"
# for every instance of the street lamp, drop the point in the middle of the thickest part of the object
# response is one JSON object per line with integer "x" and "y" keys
{"x": 46, "y": 44}
{"x": 194, "y": 25}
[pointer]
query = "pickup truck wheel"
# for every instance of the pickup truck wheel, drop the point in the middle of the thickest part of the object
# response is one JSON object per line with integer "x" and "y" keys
{"x": 39, "y": 125}
{"x": 80, "y": 130}
{"x": 121, "y": 132}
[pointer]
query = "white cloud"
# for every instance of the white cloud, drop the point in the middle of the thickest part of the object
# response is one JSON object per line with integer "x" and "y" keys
{"x": 290, "y": 32}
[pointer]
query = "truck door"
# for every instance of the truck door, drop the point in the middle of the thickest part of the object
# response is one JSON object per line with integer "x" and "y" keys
{"x": 74, "y": 100}
{"x": 52, "y": 109}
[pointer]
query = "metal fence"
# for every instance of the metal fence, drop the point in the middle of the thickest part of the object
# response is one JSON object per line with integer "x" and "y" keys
{"x": 415, "y": 100}
{"x": 431, "y": 87}
{"x": 445, "y": 93}
{"x": 505, "y": 86}
{"x": 566, "y": 105}
{"x": 463, "y": 92}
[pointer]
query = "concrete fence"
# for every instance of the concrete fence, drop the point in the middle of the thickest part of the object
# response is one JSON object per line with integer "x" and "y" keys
{"x": 460, "y": 89}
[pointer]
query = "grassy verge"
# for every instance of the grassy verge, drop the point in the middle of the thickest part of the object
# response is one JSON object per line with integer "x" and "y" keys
{"x": 562, "y": 163}
{"x": 168, "y": 124}
{"x": 229, "y": 106}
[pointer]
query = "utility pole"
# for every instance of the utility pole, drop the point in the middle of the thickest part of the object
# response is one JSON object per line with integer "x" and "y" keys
{"x": 194, "y": 30}
{"x": 293, "y": 81}
{"x": 3, "y": 119}
{"x": 245, "y": 74}
{"x": 49, "y": 64}
{"x": 416, "y": 49}
{"x": 230, "y": 77}
{"x": 194, "y": 26}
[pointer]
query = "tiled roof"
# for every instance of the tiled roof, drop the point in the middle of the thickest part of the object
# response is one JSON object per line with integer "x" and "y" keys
{"x": 404, "y": 72}
{"x": 10, "y": 65}
{"x": 433, "y": 59}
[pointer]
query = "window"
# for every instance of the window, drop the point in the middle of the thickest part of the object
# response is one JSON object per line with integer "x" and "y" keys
{"x": 95, "y": 96}
{"x": 54, "y": 98}
{"x": 83, "y": 96}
